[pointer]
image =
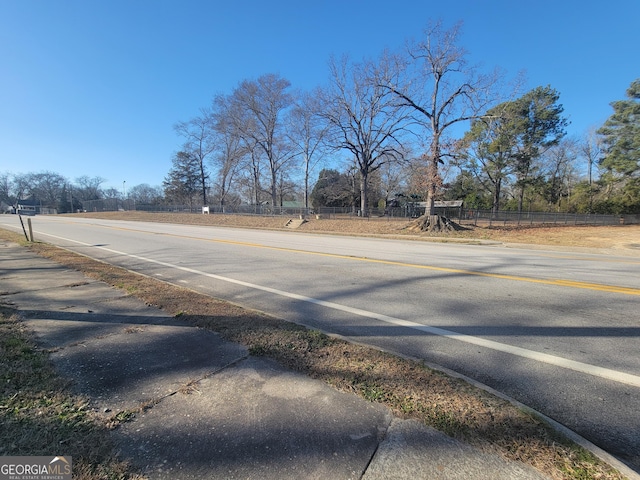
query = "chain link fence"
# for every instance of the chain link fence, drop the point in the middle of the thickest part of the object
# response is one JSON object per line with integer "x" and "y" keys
{"x": 459, "y": 214}
{"x": 506, "y": 218}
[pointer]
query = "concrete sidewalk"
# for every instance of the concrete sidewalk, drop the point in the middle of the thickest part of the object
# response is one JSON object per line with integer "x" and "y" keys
{"x": 215, "y": 412}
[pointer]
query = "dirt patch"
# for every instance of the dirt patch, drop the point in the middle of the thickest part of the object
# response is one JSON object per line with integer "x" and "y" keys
{"x": 620, "y": 237}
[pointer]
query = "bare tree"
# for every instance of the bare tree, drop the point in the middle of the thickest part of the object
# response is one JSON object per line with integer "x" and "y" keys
{"x": 145, "y": 194}
{"x": 48, "y": 187}
{"x": 558, "y": 168}
{"x": 307, "y": 131}
{"x": 230, "y": 151}
{"x": 286, "y": 188}
{"x": 393, "y": 179}
{"x": 113, "y": 192}
{"x": 199, "y": 144}
{"x": 6, "y": 189}
{"x": 88, "y": 188}
{"x": 443, "y": 91}
{"x": 257, "y": 109}
{"x": 364, "y": 117}
{"x": 591, "y": 152}
{"x": 228, "y": 161}
{"x": 21, "y": 186}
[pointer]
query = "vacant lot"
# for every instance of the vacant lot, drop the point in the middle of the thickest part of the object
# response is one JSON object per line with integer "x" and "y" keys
{"x": 621, "y": 240}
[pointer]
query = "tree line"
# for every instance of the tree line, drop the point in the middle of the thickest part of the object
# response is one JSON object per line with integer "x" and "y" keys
{"x": 57, "y": 193}
{"x": 397, "y": 122}
{"x": 416, "y": 124}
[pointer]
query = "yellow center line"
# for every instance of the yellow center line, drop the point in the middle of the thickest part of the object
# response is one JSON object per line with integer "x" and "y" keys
{"x": 550, "y": 281}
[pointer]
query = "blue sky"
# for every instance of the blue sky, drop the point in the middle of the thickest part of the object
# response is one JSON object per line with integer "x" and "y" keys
{"x": 93, "y": 87}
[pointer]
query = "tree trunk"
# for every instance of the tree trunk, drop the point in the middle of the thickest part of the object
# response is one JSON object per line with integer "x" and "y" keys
{"x": 431, "y": 205}
{"x": 521, "y": 200}
{"x": 274, "y": 189}
{"x": 203, "y": 182}
{"x": 363, "y": 194}
{"x": 306, "y": 182}
{"x": 433, "y": 223}
{"x": 496, "y": 198}
{"x": 433, "y": 178}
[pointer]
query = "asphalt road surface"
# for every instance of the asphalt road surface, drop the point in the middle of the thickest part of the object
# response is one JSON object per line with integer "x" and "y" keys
{"x": 558, "y": 331}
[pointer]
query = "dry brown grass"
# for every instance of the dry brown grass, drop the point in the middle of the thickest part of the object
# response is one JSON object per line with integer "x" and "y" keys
{"x": 619, "y": 239}
{"x": 407, "y": 387}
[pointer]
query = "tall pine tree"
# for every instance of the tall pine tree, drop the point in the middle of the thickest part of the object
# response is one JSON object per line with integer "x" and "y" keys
{"x": 621, "y": 160}
{"x": 181, "y": 183}
{"x": 621, "y": 134}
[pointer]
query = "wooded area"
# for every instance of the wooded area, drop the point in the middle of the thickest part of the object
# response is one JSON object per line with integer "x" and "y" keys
{"x": 416, "y": 125}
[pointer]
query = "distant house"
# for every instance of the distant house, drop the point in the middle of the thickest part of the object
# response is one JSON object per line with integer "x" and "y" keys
{"x": 33, "y": 206}
{"x": 28, "y": 206}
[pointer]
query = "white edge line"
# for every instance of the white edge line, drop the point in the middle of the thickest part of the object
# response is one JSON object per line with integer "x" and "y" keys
{"x": 593, "y": 370}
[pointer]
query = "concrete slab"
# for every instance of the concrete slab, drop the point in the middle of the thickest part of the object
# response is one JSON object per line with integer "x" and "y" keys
{"x": 256, "y": 420}
{"x": 412, "y": 450}
{"x": 56, "y": 333}
{"x": 86, "y": 308}
{"x": 34, "y": 279}
{"x": 72, "y": 296}
{"x": 60, "y": 329}
{"x": 135, "y": 364}
{"x": 295, "y": 223}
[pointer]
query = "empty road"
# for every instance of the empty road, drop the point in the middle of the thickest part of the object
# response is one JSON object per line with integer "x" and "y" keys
{"x": 558, "y": 331}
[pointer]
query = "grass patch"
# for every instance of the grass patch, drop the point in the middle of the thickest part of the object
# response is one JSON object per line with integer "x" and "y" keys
{"x": 408, "y": 388}
{"x": 38, "y": 416}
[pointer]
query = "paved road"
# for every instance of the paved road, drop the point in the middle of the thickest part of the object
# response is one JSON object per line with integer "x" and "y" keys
{"x": 557, "y": 331}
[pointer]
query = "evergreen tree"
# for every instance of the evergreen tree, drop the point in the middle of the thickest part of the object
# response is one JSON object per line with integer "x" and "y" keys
{"x": 537, "y": 123}
{"x": 621, "y": 134}
{"x": 512, "y": 137}
{"x": 621, "y": 160}
{"x": 182, "y": 182}
{"x": 333, "y": 189}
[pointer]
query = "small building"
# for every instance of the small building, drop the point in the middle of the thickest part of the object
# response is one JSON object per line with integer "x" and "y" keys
{"x": 28, "y": 206}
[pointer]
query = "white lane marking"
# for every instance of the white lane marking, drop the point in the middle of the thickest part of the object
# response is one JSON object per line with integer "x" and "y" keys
{"x": 594, "y": 370}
